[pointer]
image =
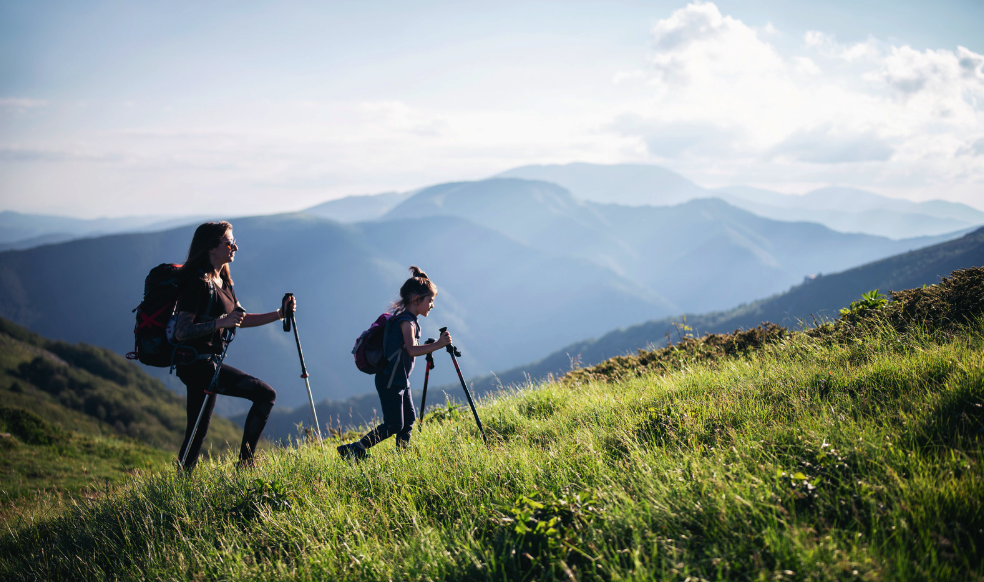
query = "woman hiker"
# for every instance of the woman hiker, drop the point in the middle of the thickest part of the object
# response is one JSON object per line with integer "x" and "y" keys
{"x": 206, "y": 306}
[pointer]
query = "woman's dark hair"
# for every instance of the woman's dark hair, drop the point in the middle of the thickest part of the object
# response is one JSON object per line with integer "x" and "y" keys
{"x": 207, "y": 237}
{"x": 417, "y": 286}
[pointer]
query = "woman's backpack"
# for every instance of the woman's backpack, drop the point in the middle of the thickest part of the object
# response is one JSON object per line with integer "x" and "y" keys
{"x": 153, "y": 333}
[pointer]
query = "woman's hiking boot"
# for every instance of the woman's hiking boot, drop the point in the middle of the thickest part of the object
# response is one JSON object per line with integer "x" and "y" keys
{"x": 353, "y": 451}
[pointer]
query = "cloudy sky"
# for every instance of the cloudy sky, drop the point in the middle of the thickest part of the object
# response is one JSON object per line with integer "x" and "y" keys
{"x": 111, "y": 108}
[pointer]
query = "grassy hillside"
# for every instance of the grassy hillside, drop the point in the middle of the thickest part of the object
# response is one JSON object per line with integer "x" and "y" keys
{"x": 44, "y": 466}
{"x": 76, "y": 416}
{"x": 850, "y": 452}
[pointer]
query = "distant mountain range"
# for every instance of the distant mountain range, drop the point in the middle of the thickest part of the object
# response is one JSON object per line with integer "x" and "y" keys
{"x": 841, "y": 209}
{"x": 23, "y": 231}
{"x": 853, "y": 210}
{"x": 817, "y": 299}
{"x": 847, "y": 210}
{"x": 627, "y": 184}
{"x": 358, "y": 208}
{"x": 701, "y": 255}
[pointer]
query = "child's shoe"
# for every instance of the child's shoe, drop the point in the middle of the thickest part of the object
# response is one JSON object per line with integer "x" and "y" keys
{"x": 353, "y": 451}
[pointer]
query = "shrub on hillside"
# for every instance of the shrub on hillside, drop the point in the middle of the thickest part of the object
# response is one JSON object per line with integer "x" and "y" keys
{"x": 28, "y": 427}
{"x": 954, "y": 301}
{"x": 942, "y": 308}
{"x": 689, "y": 350}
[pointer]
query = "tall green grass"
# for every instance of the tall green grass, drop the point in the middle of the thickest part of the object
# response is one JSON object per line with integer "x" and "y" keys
{"x": 804, "y": 460}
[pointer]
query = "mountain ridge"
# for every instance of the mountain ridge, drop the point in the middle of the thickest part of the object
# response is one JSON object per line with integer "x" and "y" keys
{"x": 642, "y": 184}
{"x": 658, "y": 247}
{"x": 821, "y": 297}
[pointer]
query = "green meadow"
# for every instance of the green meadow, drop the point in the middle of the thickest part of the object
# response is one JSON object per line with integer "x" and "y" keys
{"x": 77, "y": 420}
{"x": 847, "y": 451}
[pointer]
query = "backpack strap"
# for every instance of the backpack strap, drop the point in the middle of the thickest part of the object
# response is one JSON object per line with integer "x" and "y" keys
{"x": 206, "y": 317}
{"x": 397, "y": 352}
{"x": 211, "y": 300}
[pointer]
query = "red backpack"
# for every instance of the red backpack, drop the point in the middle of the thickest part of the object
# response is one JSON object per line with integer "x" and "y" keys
{"x": 154, "y": 343}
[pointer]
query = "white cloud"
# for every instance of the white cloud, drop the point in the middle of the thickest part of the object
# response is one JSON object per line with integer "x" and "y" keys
{"x": 977, "y": 148}
{"x": 730, "y": 105}
{"x": 624, "y": 76}
{"x": 826, "y": 45}
{"x": 825, "y": 145}
{"x": 697, "y": 44}
{"x": 806, "y": 65}
{"x": 911, "y": 71}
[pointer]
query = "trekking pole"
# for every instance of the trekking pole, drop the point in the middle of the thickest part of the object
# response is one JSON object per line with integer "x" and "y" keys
{"x": 427, "y": 371}
{"x": 230, "y": 334}
{"x": 288, "y": 321}
{"x": 454, "y": 352}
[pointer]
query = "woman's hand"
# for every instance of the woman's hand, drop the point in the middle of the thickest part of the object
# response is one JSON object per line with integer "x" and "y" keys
{"x": 288, "y": 306}
{"x": 233, "y": 319}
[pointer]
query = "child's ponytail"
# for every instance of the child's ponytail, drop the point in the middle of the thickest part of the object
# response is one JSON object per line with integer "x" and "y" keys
{"x": 417, "y": 286}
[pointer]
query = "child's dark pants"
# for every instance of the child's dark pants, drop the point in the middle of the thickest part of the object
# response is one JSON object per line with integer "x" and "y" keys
{"x": 398, "y": 415}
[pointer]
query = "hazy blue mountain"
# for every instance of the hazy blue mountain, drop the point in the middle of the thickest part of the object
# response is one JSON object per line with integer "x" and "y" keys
{"x": 821, "y": 297}
{"x": 540, "y": 214}
{"x": 34, "y": 241}
{"x": 505, "y": 302}
{"x": 17, "y": 230}
{"x": 630, "y": 184}
{"x": 701, "y": 255}
{"x": 358, "y": 208}
{"x": 838, "y": 208}
{"x": 833, "y": 198}
{"x": 717, "y": 255}
{"x": 853, "y": 210}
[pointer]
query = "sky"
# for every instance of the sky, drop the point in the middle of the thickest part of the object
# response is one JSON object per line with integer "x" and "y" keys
{"x": 119, "y": 108}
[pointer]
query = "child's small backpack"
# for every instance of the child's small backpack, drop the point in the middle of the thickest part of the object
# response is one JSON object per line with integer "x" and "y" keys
{"x": 368, "y": 350}
{"x": 154, "y": 343}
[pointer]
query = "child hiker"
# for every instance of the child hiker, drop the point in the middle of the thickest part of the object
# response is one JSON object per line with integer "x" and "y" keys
{"x": 393, "y": 382}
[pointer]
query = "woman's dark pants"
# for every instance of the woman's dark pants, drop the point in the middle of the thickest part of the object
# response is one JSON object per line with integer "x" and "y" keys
{"x": 232, "y": 382}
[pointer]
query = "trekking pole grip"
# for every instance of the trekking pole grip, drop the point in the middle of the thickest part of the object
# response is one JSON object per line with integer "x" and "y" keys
{"x": 283, "y": 311}
{"x": 450, "y": 347}
{"x": 430, "y": 356}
